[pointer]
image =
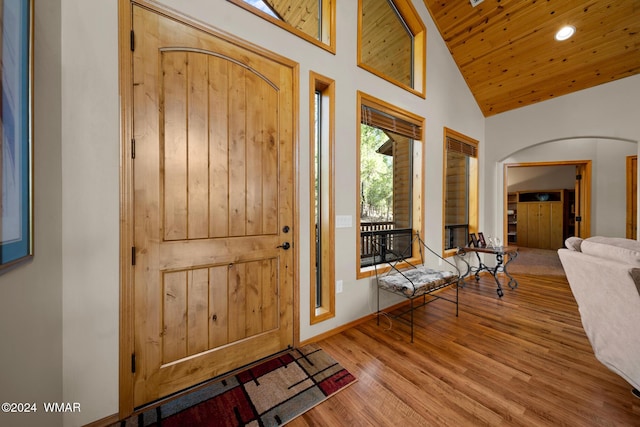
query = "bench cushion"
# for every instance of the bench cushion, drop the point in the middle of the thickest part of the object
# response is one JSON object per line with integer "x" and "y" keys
{"x": 416, "y": 281}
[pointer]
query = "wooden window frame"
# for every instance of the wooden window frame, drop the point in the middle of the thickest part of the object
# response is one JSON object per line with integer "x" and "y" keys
{"x": 328, "y": 40}
{"x": 632, "y": 197}
{"x": 473, "y": 197}
{"x": 419, "y": 31}
{"x": 417, "y": 184}
{"x": 325, "y": 308}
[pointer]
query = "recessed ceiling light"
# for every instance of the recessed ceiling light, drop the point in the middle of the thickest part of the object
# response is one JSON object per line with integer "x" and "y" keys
{"x": 565, "y": 32}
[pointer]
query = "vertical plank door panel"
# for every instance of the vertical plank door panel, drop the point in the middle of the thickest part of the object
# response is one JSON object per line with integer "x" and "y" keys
{"x": 198, "y": 146}
{"x": 174, "y": 336}
{"x": 198, "y": 311}
{"x": 219, "y": 152}
{"x": 174, "y": 144}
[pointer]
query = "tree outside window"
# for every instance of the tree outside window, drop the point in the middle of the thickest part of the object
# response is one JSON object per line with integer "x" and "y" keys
{"x": 388, "y": 186}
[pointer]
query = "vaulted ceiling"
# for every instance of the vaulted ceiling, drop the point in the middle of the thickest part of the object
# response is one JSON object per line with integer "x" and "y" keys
{"x": 506, "y": 51}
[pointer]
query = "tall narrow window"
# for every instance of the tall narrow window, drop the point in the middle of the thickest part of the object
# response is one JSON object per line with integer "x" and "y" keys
{"x": 312, "y": 20}
{"x": 390, "y": 187}
{"x": 461, "y": 189}
{"x": 322, "y": 292}
{"x": 392, "y": 42}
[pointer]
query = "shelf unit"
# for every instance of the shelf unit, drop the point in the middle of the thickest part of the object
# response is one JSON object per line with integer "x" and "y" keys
{"x": 512, "y": 218}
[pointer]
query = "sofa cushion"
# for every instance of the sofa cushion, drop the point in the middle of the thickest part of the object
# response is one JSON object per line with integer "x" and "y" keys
{"x": 619, "y": 249}
{"x": 616, "y": 241}
{"x": 574, "y": 243}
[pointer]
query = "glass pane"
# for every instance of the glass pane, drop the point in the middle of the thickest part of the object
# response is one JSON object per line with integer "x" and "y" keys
{"x": 317, "y": 198}
{"x": 261, "y": 5}
{"x": 385, "y": 194}
{"x": 457, "y": 201}
{"x": 387, "y": 43}
{"x": 303, "y": 15}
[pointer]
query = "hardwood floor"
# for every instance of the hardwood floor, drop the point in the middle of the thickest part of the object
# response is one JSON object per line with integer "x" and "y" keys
{"x": 520, "y": 361}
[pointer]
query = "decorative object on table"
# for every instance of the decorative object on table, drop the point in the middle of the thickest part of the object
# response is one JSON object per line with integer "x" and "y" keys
{"x": 270, "y": 393}
{"x": 481, "y": 242}
{"x": 16, "y": 157}
{"x": 473, "y": 240}
{"x": 495, "y": 243}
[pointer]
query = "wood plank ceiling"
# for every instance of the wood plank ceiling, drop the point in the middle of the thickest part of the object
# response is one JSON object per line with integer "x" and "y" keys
{"x": 506, "y": 51}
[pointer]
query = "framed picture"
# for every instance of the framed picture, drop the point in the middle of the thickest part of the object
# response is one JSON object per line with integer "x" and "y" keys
{"x": 473, "y": 240}
{"x": 16, "y": 154}
{"x": 481, "y": 242}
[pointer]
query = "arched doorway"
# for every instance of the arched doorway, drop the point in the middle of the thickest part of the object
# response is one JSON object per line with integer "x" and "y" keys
{"x": 560, "y": 211}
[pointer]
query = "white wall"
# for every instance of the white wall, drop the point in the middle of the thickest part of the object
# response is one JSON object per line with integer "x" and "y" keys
{"x": 31, "y": 303}
{"x": 90, "y": 206}
{"x": 528, "y": 178}
{"x": 599, "y": 124}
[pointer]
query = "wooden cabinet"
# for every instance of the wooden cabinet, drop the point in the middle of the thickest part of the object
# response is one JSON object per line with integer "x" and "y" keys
{"x": 541, "y": 217}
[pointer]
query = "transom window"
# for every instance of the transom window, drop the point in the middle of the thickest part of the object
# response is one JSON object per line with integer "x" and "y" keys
{"x": 392, "y": 42}
{"x": 313, "y": 20}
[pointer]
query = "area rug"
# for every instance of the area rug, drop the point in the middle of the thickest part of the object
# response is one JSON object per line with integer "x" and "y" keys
{"x": 536, "y": 262}
{"x": 270, "y": 394}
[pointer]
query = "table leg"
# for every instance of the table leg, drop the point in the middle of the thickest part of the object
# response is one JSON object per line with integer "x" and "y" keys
{"x": 480, "y": 267}
{"x": 498, "y": 267}
{"x": 513, "y": 283}
{"x": 501, "y": 266}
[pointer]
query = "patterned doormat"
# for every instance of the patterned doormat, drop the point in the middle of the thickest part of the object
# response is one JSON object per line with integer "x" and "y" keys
{"x": 270, "y": 394}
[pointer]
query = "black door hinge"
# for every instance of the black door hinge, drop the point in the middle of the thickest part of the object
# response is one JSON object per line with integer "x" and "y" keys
{"x": 133, "y": 148}
{"x": 578, "y": 177}
{"x": 578, "y": 219}
{"x": 132, "y": 38}
{"x": 133, "y": 363}
{"x": 133, "y": 255}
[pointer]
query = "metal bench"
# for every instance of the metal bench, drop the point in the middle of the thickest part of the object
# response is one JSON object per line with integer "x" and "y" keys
{"x": 412, "y": 281}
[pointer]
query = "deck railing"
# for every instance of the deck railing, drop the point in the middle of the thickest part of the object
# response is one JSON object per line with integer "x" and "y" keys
{"x": 380, "y": 240}
{"x": 456, "y": 235}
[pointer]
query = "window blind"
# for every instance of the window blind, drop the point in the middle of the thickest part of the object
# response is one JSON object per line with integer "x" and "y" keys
{"x": 378, "y": 119}
{"x": 457, "y": 146}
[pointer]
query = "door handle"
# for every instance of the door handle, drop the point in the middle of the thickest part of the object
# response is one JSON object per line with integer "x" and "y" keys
{"x": 285, "y": 246}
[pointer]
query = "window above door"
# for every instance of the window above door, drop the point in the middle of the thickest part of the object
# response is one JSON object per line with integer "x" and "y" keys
{"x": 312, "y": 20}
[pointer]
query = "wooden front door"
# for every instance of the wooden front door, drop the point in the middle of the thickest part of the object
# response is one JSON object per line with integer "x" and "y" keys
{"x": 213, "y": 206}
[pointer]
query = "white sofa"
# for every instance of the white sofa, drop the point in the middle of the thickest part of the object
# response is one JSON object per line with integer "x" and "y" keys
{"x": 604, "y": 275}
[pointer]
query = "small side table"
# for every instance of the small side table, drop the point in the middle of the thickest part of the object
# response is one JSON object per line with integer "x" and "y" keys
{"x": 502, "y": 252}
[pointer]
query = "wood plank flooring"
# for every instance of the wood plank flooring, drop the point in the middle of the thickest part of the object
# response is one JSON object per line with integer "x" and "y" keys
{"x": 520, "y": 361}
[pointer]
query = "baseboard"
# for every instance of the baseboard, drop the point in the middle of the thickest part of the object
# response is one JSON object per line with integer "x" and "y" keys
{"x": 104, "y": 422}
{"x": 351, "y": 324}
